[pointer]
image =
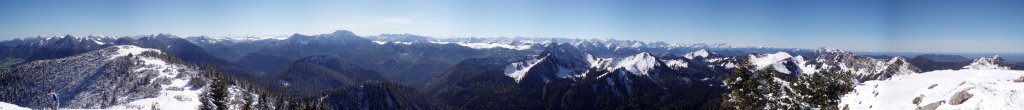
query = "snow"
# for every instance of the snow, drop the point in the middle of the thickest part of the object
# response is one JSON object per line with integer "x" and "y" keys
{"x": 494, "y": 45}
{"x": 385, "y": 42}
{"x": 124, "y": 50}
{"x": 698, "y": 53}
{"x": 518, "y": 70}
{"x": 830, "y": 50}
{"x": 676, "y": 63}
{"x": 777, "y": 62}
{"x": 986, "y": 63}
{"x": 173, "y": 96}
{"x": 640, "y": 64}
{"x": 8, "y": 106}
{"x": 564, "y": 72}
{"x": 98, "y": 42}
{"x": 992, "y": 90}
{"x": 768, "y": 59}
{"x": 248, "y": 38}
{"x": 598, "y": 62}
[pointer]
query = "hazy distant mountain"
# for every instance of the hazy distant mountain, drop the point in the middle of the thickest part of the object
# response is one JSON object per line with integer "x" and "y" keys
{"x": 315, "y": 74}
{"x": 945, "y": 58}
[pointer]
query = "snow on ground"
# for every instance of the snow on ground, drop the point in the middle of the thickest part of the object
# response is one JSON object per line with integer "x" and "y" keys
{"x": 518, "y": 70}
{"x": 8, "y": 106}
{"x": 639, "y": 64}
{"x": 677, "y": 63}
{"x": 698, "y": 53}
{"x": 777, "y": 62}
{"x": 174, "y": 96}
{"x": 768, "y": 59}
{"x": 991, "y": 90}
{"x": 124, "y": 50}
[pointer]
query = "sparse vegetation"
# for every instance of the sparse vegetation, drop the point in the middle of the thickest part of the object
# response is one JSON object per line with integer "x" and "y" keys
{"x": 758, "y": 89}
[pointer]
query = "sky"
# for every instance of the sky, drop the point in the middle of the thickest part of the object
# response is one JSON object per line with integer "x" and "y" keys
{"x": 944, "y": 26}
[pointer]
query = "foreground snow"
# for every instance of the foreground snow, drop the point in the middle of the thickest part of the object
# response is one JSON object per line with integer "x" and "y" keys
{"x": 988, "y": 89}
{"x": 8, "y": 106}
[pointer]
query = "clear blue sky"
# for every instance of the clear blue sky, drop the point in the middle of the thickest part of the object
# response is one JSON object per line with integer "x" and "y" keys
{"x": 964, "y": 26}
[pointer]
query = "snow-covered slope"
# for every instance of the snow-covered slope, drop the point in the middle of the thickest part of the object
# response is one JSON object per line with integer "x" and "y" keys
{"x": 8, "y": 106}
{"x": 698, "y": 53}
{"x": 564, "y": 61}
{"x": 782, "y": 62}
{"x": 117, "y": 77}
{"x": 174, "y": 94}
{"x": 640, "y": 64}
{"x": 834, "y": 60}
{"x": 518, "y": 69}
{"x": 944, "y": 90}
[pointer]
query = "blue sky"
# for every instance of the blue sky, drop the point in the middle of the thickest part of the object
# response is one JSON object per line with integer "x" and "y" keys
{"x": 960, "y": 26}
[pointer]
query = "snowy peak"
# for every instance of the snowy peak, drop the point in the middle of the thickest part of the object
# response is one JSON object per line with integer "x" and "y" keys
{"x": 994, "y": 62}
{"x": 557, "y": 61}
{"x": 64, "y": 41}
{"x": 783, "y": 62}
{"x": 765, "y": 60}
{"x": 400, "y": 38}
{"x": 211, "y": 39}
{"x": 518, "y": 70}
{"x": 699, "y": 53}
{"x": 640, "y": 64}
{"x": 899, "y": 66}
{"x": 827, "y": 50}
{"x": 341, "y": 35}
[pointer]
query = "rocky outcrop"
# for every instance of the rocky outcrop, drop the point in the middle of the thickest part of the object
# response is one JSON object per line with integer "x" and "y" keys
{"x": 960, "y": 97}
{"x": 931, "y": 106}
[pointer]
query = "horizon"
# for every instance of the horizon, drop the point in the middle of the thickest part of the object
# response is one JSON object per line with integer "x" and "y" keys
{"x": 908, "y": 26}
{"x": 965, "y": 54}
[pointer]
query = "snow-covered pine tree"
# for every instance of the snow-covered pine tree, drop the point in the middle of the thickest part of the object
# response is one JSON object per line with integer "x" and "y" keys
{"x": 215, "y": 98}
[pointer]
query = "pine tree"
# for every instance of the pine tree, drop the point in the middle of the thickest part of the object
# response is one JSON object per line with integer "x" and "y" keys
{"x": 743, "y": 89}
{"x": 823, "y": 90}
{"x": 759, "y": 89}
{"x": 216, "y": 97}
{"x": 751, "y": 89}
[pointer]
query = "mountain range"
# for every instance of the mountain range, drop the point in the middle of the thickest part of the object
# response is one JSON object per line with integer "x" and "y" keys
{"x": 342, "y": 70}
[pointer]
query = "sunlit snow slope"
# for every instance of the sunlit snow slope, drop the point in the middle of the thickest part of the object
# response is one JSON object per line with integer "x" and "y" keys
{"x": 8, "y": 106}
{"x": 942, "y": 90}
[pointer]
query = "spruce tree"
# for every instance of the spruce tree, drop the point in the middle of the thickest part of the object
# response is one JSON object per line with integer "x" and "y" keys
{"x": 216, "y": 97}
{"x": 743, "y": 89}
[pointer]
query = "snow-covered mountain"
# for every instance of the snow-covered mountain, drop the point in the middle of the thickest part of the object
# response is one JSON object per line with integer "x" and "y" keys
{"x": 118, "y": 77}
{"x": 971, "y": 89}
{"x": 995, "y": 62}
{"x": 565, "y": 62}
{"x": 834, "y": 60}
{"x": 469, "y": 73}
{"x": 564, "y": 69}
